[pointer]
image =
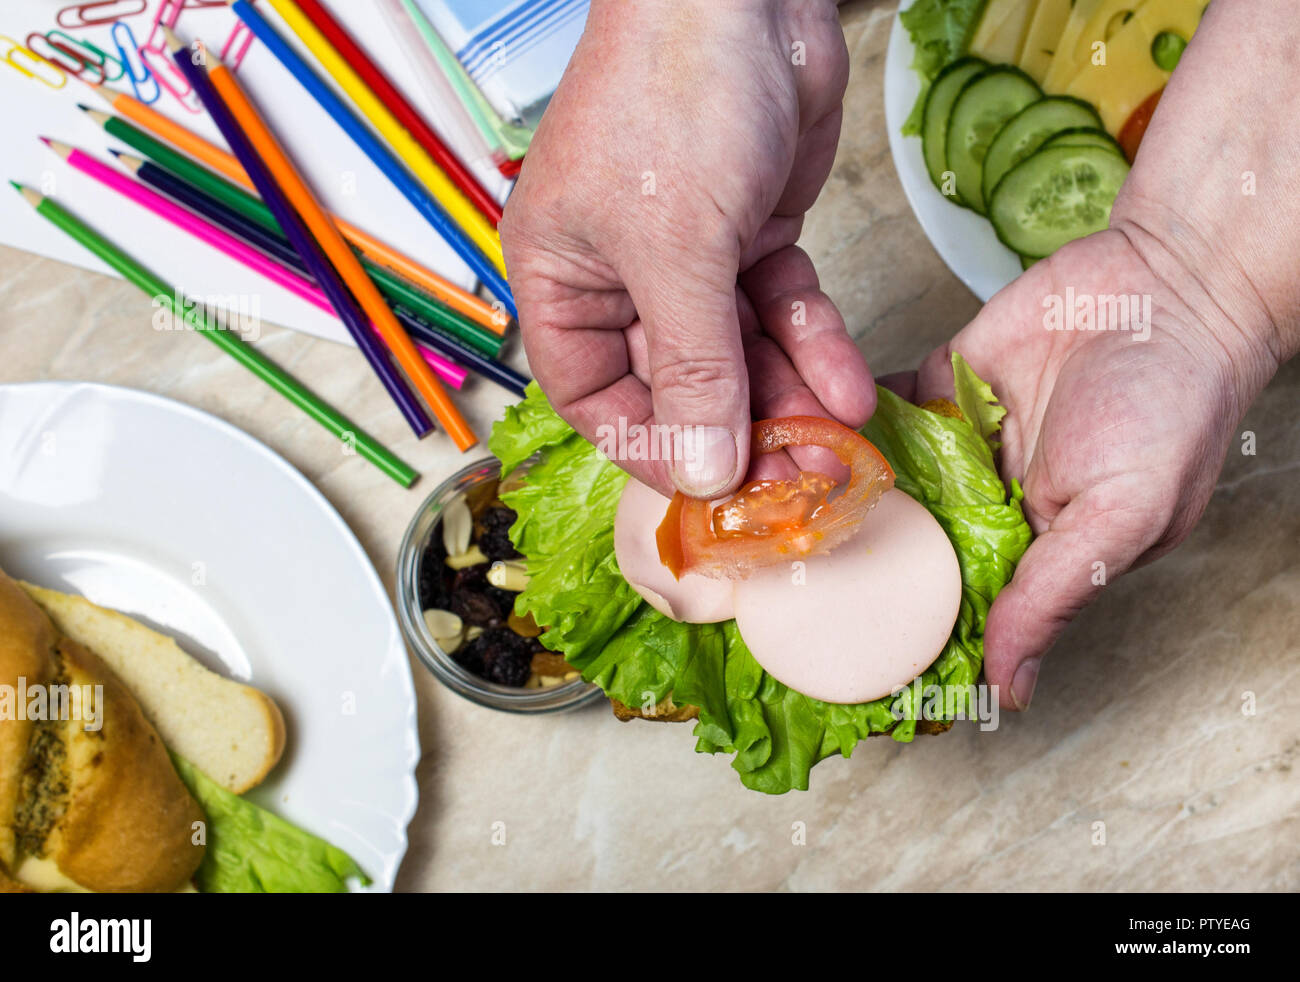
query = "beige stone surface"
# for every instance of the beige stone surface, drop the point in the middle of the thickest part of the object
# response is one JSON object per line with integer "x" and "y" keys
{"x": 1138, "y": 720}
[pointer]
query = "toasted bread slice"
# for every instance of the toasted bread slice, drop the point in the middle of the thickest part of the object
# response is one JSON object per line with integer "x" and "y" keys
{"x": 232, "y": 732}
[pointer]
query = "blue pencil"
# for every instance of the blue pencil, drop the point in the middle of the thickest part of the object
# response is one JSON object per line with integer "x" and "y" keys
{"x": 378, "y": 154}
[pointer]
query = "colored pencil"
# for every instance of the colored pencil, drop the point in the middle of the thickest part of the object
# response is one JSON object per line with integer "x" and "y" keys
{"x": 277, "y": 179}
{"x": 404, "y": 112}
{"x": 248, "y": 356}
{"x": 222, "y": 241}
{"x": 351, "y": 316}
{"x": 219, "y": 160}
{"x": 479, "y": 230}
{"x": 267, "y": 237}
{"x": 469, "y": 234}
{"x": 224, "y": 218}
{"x": 494, "y": 371}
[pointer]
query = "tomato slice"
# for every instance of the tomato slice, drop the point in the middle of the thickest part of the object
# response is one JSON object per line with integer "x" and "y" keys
{"x": 1135, "y": 127}
{"x": 774, "y": 521}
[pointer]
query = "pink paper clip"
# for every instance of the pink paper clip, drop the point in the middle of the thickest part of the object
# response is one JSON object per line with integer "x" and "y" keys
{"x": 116, "y": 10}
{"x": 169, "y": 11}
{"x": 170, "y": 78}
{"x": 126, "y": 50}
{"x": 42, "y": 65}
{"x": 155, "y": 56}
{"x": 237, "y": 45}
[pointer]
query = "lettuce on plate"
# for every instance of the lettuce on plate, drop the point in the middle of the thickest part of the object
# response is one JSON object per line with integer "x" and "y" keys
{"x": 941, "y": 31}
{"x": 566, "y": 505}
{"x": 250, "y": 850}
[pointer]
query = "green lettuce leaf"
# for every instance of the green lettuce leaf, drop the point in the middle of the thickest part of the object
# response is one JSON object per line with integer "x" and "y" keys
{"x": 250, "y": 850}
{"x": 940, "y": 32}
{"x": 566, "y": 506}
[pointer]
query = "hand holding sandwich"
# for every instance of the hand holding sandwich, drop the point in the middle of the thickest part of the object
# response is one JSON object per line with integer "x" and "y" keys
{"x": 649, "y": 304}
{"x": 1119, "y": 441}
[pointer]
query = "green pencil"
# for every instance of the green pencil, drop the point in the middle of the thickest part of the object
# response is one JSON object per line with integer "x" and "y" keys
{"x": 248, "y": 356}
{"x": 394, "y": 287}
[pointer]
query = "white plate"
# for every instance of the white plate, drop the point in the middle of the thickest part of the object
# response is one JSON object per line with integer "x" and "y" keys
{"x": 190, "y": 525}
{"x": 963, "y": 239}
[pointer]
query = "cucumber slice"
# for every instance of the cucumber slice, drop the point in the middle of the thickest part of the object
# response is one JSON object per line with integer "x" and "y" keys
{"x": 982, "y": 106}
{"x": 1027, "y": 261}
{"x": 1026, "y": 131}
{"x": 1055, "y": 196}
{"x": 1083, "y": 137}
{"x": 934, "y": 122}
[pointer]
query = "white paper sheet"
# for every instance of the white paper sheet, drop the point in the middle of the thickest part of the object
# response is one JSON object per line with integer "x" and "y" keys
{"x": 341, "y": 175}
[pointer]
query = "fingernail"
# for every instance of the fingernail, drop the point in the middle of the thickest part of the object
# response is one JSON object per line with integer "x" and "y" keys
{"x": 707, "y": 461}
{"x": 1023, "y": 682}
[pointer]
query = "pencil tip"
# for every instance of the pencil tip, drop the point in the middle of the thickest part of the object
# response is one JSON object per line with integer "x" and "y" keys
{"x": 115, "y": 153}
{"x": 45, "y": 140}
{"x": 83, "y": 107}
{"x": 173, "y": 42}
{"x": 16, "y": 186}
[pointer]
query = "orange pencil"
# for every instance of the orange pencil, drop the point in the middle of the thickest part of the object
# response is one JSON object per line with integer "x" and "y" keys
{"x": 228, "y": 165}
{"x": 335, "y": 248}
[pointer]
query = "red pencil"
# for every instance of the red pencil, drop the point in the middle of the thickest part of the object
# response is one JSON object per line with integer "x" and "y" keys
{"x": 403, "y": 110}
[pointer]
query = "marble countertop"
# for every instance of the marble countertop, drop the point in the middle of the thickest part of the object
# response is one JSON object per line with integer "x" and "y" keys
{"x": 1138, "y": 719}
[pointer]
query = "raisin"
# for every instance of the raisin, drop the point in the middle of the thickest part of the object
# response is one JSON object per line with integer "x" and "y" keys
{"x": 475, "y": 608}
{"x": 434, "y": 582}
{"x": 494, "y": 540}
{"x": 469, "y": 656}
{"x": 507, "y": 659}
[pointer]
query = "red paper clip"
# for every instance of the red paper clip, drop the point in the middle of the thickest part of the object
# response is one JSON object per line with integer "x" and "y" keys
{"x": 117, "y": 9}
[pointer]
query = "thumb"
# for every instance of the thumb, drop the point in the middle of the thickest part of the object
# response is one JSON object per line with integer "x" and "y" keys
{"x": 1087, "y": 545}
{"x": 698, "y": 378}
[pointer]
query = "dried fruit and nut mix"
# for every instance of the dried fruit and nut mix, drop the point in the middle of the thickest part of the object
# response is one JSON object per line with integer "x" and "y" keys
{"x": 470, "y": 574}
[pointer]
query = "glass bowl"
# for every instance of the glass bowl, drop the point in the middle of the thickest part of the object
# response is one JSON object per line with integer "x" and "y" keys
{"x": 426, "y": 524}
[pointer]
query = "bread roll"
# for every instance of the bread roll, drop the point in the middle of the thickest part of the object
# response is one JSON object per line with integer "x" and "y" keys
{"x": 232, "y": 732}
{"x": 105, "y": 805}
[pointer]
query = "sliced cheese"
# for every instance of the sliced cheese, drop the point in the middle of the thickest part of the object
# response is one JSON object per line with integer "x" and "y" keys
{"x": 1063, "y": 67}
{"x": 1044, "y": 32}
{"x": 1130, "y": 75}
{"x": 1001, "y": 31}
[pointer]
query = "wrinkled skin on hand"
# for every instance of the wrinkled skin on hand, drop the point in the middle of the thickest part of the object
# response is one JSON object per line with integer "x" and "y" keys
{"x": 1118, "y": 441}
{"x": 650, "y": 238}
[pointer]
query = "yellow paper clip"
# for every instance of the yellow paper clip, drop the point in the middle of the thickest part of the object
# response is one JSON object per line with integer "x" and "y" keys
{"x": 42, "y": 65}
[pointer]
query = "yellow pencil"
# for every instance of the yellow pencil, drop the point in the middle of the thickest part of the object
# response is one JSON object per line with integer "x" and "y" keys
{"x": 476, "y": 227}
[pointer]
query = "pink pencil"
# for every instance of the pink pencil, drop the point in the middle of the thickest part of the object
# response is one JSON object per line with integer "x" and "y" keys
{"x": 226, "y": 243}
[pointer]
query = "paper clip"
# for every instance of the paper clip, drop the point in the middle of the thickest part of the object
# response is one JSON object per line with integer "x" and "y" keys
{"x": 76, "y": 68}
{"x": 103, "y": 57}
{"x": 117, "y": 10}
{"x": 237, "y": 45}
{"x": 37, "y": 62}
{"x": 82, "y": 64}
{"x": 155, "y": 56}
{"x": 169, "y": 11}
{"x": 167, "y": 75}
{"x": 144, "y": 74}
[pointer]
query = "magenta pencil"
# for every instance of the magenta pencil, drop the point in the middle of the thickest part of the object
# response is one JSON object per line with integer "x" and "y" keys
{"x": 454, "y": 375}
